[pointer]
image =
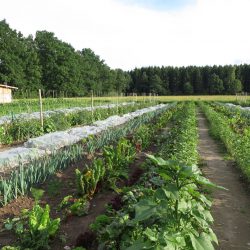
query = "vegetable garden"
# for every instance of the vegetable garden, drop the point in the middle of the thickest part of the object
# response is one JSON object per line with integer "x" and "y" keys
{"x": 232, "y": 127}
{"x": 136, "y": 184}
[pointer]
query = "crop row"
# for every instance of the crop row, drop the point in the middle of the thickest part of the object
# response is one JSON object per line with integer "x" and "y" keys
{"x": 32, "y": 105}
{"x": 49, "y": 113}
{"x": 22, "y": 130}
{"x": 237, "y": 142}
{"x": 48, "y": 143}
{"x": 165, "y": 209}
{"x": 37, "y": 171}
{"x": 238, "y": 118}
{"x": 106, "y": 170}
{"x": 180, "y": 142}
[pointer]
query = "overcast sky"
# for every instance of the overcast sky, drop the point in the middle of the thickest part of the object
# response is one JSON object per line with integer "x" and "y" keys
{"x": 136, "y": 33}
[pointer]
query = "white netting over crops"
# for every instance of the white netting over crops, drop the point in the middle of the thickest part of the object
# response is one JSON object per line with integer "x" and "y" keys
{"x": 36, "y": 115}
{"x": 51, "y": 142}
{"x": 13, "y": 157}
{"x": 37, "y": 147}
{"x": 231, "y": 105}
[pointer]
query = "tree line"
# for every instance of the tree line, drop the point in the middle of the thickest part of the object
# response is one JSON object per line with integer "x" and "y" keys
{"x": 47, "y": 63}
{"x": 228, "y": 79}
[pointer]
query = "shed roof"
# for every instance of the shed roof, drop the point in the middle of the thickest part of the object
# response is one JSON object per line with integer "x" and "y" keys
{"x": 7, "y": 86}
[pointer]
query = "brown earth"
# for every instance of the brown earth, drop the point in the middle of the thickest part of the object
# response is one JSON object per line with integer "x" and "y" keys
{"x": 231, "y": 209}
{"x": 61, "y": 185}
{"x": 9, "y": 211}
{"x": 79, "y": 225}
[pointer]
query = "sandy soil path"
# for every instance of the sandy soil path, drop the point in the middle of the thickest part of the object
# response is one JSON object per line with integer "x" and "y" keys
{"x": 231, "y": 209}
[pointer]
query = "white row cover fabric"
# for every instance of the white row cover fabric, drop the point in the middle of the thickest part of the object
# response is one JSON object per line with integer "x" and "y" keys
{"x": 36, "y": 115}
{"x": 46, "y": 144}
{"x": 237, "y": 106}
{"x": 16, "y": 156}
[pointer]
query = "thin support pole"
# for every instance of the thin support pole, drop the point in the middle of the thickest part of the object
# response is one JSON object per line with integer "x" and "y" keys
{"x": 41, "y": 107}
{"x": 92, "y": 105}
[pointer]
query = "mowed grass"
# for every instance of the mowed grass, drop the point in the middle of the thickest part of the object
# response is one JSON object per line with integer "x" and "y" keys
{"x": 222, "y": 98}
{"x": 114, "y": 99}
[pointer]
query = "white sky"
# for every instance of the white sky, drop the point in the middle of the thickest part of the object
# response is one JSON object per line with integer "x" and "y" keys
{"x": 128, "y": 36}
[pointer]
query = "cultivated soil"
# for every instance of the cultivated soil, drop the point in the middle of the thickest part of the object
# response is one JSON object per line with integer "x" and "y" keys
{"x": 62, "y": 184}
{"x": 231, "y": 209}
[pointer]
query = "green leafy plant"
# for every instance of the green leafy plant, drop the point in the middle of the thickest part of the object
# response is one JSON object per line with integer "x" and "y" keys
{"x": 143, "y": 136}
{"x": 40, "y": 228}
{"x": 20, "y": 130}
{"x": 75, "y": 206}
{"x": 167, "y": 209}
{"x": 22, "y": 179}
{"x": 100, "y": 221}
{"x": 179, "y": 143}
{"x": 117, "y": 159}
{"x": 15, "y": 224}
{"x": 49, "y": 126}
{"x": 119, "y": 156}
{"x": 236, "y": 143}
{"x": 37, "y": 193}
{"x": 35, "y": 227}
{"x": 174, "y": 216}
{"x": 80, "y": 207}
{"x": 87, "y": 180}
{"x": 10, "y": 248}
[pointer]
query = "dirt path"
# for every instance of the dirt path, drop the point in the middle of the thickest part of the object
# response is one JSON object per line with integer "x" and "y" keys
{"x": 231, "y": 209}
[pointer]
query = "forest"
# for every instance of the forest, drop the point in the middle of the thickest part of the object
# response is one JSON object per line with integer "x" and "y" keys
{"x": 45, "y": 62}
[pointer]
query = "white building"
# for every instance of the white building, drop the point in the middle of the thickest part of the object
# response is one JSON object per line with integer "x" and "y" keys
{"x": 6, "y": 93}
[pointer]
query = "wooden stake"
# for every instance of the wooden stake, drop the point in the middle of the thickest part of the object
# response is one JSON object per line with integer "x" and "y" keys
{"x": 92, "y": 105}
{"x": 117, "y": 103}
{"x": 41, "y": 107}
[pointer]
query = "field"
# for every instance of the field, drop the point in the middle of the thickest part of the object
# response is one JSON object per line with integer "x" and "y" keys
{"x": 222, "y": 98}
{"x": 140, "y": 176}
{"x": 32, "y": 105}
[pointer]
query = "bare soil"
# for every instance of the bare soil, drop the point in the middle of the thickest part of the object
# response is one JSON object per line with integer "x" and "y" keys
{"x": 77, "y": 226}
{"x": 231, "y": 209}
{"x": 62, "y": 184}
